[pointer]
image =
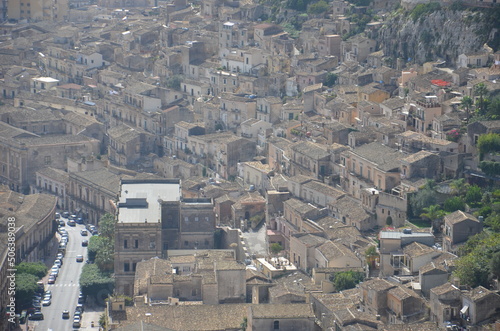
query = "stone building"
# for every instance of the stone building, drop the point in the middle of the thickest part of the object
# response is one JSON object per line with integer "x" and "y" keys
{"x": 23, "y": 153}
{"x": 93, "y": 193}
{"x": 370, "y": 165}
{"x": 458, "y": 227}
{"x": 210, "y": 276}
{"x": 310, "y": 159}
{"x": 53, "y": 181}
{"x": 153, "y": 218}
{"x": 34, "y": 230}
{"x": 478, "y": 305}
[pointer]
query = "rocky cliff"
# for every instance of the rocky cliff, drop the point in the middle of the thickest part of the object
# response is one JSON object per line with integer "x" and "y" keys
{"x": 443, "y": 34}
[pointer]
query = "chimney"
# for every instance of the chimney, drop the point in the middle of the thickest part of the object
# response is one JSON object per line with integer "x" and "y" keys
{"x": 481, "y": 219}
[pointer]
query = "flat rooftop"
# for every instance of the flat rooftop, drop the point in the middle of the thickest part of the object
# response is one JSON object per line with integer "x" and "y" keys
{"x": 140, "y": 201}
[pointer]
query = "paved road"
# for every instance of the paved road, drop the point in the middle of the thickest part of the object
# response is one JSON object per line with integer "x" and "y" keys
{"x": 66, "y": 289}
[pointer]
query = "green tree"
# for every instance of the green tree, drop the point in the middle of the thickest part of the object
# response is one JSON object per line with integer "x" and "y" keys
{"x": 174, "y": 82}
{"x": 454, "y": 204}
{"x": 422, "y": 199}
{"x": 95, "y": 283}
{"x": 480, "y": 90}
{"x": 459, "y": 186}
{"x": 434, "y": 213}
{"x": 471, "y": 271}
{"x": 95, "y": 244}
{"x": 488, "y": 143}
{"x": 330, "y": 79}
{"x": 25, "y": 289}
{"x": 424, "y": 9}
{"x": 474, "y": 267}
{"x": 275, "y": 248}
{"x": 37, "y": 269}
{"x": 473, "y": 195}
{"x": 490, "y": 168}
{"x": 495, "y": 264}
{"x": 493, "y": 222}
{"x": 494, "y": 109}
{"x": 467, "y": 104}
{"x": 472, "y": 243}
{"x": 345, "y": 280}
{"x": 105, "y": 255}
{"x": 320, "y": 7}
{"x": 107, "y": 226}
{"x": 101, "y": 251}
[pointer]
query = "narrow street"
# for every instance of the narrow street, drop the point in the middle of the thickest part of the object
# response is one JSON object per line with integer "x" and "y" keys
{"x": 66, "y": 289}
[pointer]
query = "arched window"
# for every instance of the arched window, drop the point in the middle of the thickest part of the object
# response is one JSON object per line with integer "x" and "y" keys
{"x": 276, "y": 325}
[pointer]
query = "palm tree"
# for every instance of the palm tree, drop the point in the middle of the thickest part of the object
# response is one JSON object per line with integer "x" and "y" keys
{"x": 466, "y": 104}
{"x": 434, "y": 213}
{"x": 459, "y": 186}
{"x": 481, "y": 91}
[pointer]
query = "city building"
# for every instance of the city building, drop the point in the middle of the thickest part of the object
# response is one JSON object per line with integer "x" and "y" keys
{"x": 152, "y": 218}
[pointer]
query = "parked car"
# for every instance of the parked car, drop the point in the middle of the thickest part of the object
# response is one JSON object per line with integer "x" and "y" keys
{"x": 31, "y": 310}
{"x": 81, "y": 299}
{"x": 58, "y": 263}
{"x": 85, "y": 243}
{"x": 58, "y": 216}
{"x": 51, "y": 280}
{"x": 65, "y": 214}
{"x": 61, "y": 223}
{"x": 36, "y": 316}
{"x": 46, "y": 302}
{"x": 76, "y": 322}
{"x": 72, "y": 217}
{"x": 79, "y": 307}
{"x": 59, "y": 256}
{"x": 71, "y": 223}
{"x": 84, "y": 232}
{"x": 79, "y": 220}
